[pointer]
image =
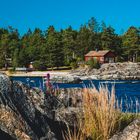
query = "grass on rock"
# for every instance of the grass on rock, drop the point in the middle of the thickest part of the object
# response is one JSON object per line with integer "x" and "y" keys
{"x": 101, "y": 116}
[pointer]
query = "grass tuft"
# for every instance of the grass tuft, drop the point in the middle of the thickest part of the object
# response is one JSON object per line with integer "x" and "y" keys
{"x": 101, "y": 116}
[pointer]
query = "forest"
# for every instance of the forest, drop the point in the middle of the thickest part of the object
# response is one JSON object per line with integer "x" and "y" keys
{"x": 52, "y": 48}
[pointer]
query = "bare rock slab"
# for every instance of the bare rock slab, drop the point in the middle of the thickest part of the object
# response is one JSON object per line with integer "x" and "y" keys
{"x": 131, "y": 132}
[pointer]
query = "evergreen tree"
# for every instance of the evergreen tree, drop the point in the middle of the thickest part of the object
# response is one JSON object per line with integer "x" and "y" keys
{"x": 103, "y": 26}
{"x": 69, "y": 44}
{"x": 82, "y": 41}
{"x": 61, "y": 48}
{"x": 55, "y": 48}
{"x": 93, "y": 25}
{"x": 110, "y": 40}
{"x": 131, "y": 43}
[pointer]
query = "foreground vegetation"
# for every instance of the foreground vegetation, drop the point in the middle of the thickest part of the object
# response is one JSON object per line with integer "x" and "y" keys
{"x": 101, "y": 117}
{"x": 52, "y": 48}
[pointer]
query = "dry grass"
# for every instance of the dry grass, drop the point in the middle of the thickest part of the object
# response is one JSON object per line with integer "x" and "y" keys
{"x": 100, "y": 115}
{"x": 74, "y": 134}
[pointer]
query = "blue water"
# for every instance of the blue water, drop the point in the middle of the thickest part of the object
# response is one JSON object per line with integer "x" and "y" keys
{"x": 127, "y": 92}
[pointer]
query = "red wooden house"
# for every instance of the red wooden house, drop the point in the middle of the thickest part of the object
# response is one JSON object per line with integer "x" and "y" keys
{"x": 102, "y": 56}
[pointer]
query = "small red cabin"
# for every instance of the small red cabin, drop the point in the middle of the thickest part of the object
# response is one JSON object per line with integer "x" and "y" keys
{"x": 104, "y": 56}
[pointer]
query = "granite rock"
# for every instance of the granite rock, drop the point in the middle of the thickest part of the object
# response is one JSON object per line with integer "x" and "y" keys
{"x": 131, "y": 132}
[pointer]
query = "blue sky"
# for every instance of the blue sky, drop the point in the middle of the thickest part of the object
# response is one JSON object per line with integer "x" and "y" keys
{"x": 24, "y": 14}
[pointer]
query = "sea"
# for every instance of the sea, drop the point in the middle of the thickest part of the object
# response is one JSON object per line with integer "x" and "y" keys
{"x": 127, "y": 91}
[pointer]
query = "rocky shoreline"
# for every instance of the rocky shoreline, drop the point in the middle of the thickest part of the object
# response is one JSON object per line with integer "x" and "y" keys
{"x": 29, "y": 114}
{"x": 110, "y": 71}
{"x": 25, "y": 114}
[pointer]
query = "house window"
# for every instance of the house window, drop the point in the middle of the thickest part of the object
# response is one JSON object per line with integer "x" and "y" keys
{"x": 111, "y": 60}
{"x": 106, "y": 59}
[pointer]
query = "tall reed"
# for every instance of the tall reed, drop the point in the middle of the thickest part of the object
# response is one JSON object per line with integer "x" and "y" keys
{"x": 100, "y": 115}
{"x": 101, "y": 112}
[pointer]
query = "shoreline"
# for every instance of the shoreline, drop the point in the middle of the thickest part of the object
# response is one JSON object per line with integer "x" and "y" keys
{"x": 36, "y": 73}
{"x": 108, "y": 71}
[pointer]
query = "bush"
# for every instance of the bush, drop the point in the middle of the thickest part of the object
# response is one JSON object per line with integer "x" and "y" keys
{"x": 73, "y": 65}
{"x": 11, "y": 71}
{"x": 138, "y": 59}
{"x": 38, "y": 65}
{"x": 2, "y": 63}
{"x": 120, "y": 59}
{"x": 93, "y": 63}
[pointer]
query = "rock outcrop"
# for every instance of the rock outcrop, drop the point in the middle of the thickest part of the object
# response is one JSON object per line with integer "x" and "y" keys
{"x": 131, "y": 132}
{"x": 120, "y": 71}
{"x": 66, "y": 79}
{"x": 27, "y": 114}
{"x": 111, "y": 71}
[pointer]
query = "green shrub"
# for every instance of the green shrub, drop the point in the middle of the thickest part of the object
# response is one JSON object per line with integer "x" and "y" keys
{"x": 11, "y": 71}
{"x": 93, "y": 63}
{"x": 138, "y": 59}
{"x": 73, "y": 65}
{"x": 120, "y": 59}
{"x": 39, "y": 65}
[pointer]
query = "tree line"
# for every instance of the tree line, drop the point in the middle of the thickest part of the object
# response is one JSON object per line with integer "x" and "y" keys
{"x": 52, "y": 48}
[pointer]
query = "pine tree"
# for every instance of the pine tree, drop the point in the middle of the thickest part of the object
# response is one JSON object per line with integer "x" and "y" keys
{"x": 131, "y": 43}
{"x": 69, "y": 44}
{"x": 55, "y": 48}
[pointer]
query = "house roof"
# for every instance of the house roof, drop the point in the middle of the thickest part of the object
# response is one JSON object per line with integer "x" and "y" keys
{"x": 97, "y": 53}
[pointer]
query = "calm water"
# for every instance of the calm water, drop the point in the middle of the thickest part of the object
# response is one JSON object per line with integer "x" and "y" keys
{"x": 127, "y": 92}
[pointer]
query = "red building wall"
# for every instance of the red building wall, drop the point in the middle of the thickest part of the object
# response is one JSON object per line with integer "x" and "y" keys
{"x": 97, "y": 58}
{"x": 102, "y": 59}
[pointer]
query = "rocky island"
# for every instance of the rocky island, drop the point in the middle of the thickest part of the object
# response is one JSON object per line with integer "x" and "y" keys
{"x": 110, "y": 71}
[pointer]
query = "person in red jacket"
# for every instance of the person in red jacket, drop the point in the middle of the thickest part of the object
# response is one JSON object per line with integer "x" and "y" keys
{"x": 49, "y": 88}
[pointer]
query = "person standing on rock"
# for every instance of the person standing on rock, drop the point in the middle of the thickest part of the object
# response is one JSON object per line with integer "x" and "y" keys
{"x": 49, "y": 88}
